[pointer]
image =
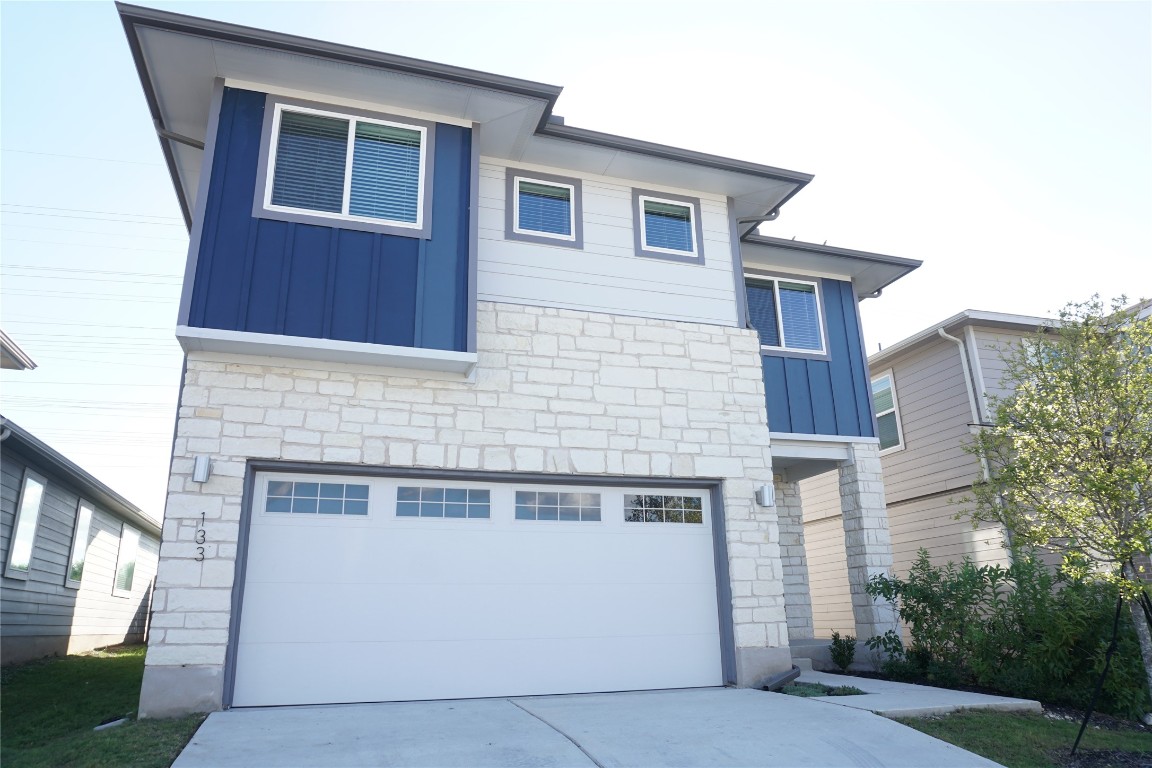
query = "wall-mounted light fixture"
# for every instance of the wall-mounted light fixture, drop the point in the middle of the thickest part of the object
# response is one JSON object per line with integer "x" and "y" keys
{"x": 766, "y": 495}
{"x": 201, "y": 469}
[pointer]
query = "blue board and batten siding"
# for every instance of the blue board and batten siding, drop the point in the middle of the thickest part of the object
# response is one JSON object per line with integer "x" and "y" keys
{"x": 276, "y": 277}
{"x": 823, "y": 397}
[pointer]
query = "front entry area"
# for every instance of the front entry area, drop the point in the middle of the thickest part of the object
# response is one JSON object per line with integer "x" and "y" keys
{"x": 365, "y": 589}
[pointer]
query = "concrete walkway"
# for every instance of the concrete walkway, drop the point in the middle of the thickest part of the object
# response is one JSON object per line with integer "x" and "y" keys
{"x": 907, "y": 700}
{"x": 697, "y": 727}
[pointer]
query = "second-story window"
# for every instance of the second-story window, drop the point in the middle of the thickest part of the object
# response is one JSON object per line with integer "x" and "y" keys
{"x": 543, "y": 208}
{"x": 346, "y": 167}
{"x": 786, "y": 313}
{"x": 887, "y": 412}
{"x": 667, "y": 226}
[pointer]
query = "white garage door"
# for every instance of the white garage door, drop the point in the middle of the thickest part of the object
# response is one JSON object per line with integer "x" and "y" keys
{"x": 385, "y": 589}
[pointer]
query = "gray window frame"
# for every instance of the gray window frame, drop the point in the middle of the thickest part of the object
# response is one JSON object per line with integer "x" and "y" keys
{"x": 641, "y": 247}
{"x": 266, "y": 165}
{"x": 895, "y": 411}
{"x": 511, "y": 195}
{"x": 29, "y": 475}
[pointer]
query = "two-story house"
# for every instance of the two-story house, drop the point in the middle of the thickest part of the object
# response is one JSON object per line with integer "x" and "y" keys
{"x": 930, "y": 392}
{"x": 477, "y": 403}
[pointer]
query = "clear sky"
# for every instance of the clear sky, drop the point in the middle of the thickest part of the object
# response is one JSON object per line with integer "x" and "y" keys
{"x": 1007, "y": 144}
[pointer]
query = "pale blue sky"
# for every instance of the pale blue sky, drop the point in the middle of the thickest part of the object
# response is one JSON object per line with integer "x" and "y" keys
{"x": 1008, "y": 145}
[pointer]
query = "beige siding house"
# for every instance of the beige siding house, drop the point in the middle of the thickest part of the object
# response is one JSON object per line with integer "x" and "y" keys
{"x": 930, "y": 391}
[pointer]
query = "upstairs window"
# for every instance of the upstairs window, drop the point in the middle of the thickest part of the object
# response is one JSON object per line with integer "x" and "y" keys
{"x": 887, "y": 412}
{"x": 667, "y": 226}
{"x": 543, "y": 208}
{"x": 324, "y": 165}
{"x": 786, "y": 313}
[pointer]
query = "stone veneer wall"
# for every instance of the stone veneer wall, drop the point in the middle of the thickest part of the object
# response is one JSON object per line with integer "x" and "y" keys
{"x": 555, "y": 391}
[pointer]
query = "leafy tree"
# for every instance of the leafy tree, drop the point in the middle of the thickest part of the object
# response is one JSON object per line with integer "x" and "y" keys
{"x": 1070, "y": 451}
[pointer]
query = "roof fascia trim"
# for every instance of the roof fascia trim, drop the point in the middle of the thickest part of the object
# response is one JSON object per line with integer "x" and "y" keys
{"x": 969, "y": 317}
{"x": 663, "y": 151}
{"x": 79, "y": 476}
{"x": 829, "y": 250}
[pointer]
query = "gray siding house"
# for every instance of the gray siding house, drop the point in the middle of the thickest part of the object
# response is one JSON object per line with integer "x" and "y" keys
{"x": 79, "y": 560}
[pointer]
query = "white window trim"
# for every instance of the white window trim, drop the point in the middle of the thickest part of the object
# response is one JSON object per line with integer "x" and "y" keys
{"x": 895, "y": 409}
{"x": 116, "y": 591}
{"x": 273, "y": 146}
{"x": 754, "y": 278}
{"x": 79, "y": 543}
{"x": 695, "y": 252}
{"x": 569, "y": 238}
{"x": 9, "y": 571}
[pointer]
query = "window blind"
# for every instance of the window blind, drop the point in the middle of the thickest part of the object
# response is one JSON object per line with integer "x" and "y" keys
{"x": 544, "y": 208}
{"x": 385, "y": 172}
{"x": 310, "y": 159}
{"x": 667, "y": 226}
{"x": 762, "y": 313}
{"x": 800, "y": 319}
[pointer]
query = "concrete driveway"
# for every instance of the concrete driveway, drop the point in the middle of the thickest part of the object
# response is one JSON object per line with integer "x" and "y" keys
{"x": 697, "y": 727}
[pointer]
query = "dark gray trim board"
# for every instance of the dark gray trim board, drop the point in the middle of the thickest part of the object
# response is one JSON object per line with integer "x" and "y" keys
{"x": 301, "y": 216}
{"x": 723, "y": 587}
{"x": 197, "y": 226}
{"x": 511, "y": 173}
{"x": 697, "y": 226}
{"x": 737, "y": 267}
{"x": 254, "y": 466}
{"x": 473, "y": 235}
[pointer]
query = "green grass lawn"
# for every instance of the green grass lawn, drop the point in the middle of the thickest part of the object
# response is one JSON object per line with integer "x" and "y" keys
{"x": 1029, "y": 740}
{"x": 48, "y": 710}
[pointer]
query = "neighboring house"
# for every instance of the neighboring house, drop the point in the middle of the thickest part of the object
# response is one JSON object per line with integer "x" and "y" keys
{"x": 78, "y": 558}
{"x": 12, "y": 357}
{"x": 930, "y": 392}
{"x": 477, "y": 403}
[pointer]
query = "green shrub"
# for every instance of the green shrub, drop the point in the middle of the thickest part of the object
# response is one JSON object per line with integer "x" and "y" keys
{"x": 843, "y": 650}
{"x": 1021, "y": 630}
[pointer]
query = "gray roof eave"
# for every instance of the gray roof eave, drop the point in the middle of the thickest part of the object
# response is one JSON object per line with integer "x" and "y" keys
{"x": 91, "y": 488}
{"x": 973, "y": 317}
{"x": 133, "y": 15}
{"x": 829, "y": 250}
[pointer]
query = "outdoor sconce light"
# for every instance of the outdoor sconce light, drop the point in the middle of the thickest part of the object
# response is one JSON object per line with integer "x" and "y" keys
{"x": 201, "y": 469}
{"x": 766, "y": 495}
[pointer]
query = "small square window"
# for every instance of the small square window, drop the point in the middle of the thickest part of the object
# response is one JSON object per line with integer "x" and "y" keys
{"x": 667, "y": 226}
{"x": 541, "y": 208}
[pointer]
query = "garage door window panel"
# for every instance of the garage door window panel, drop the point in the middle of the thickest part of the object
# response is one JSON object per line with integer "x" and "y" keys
{"x": 656, "y": 508}
{"x": 450, "y": 503}
{"x": 316, "y": 498}
{"x": 561, "y": 506}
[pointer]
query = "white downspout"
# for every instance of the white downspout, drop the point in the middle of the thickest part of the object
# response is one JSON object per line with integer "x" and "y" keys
{"x": 974, "y": 409}
{"x": 977, "y": 373}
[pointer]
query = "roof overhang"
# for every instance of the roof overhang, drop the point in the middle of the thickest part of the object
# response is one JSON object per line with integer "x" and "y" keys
{"x": 12, "y": 357}
{"x": 957, "y": 323}
{"x": 868, "y": 272}
{"x": 24, "y": 442}
{"x": 179, "y": 58}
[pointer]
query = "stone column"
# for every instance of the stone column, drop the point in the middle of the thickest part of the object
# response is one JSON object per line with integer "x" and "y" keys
{"x": 866, "y": 541}
{"x": 797, "y": 595}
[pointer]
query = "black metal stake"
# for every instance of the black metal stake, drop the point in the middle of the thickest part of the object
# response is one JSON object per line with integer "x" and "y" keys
{"x": 1103, "y": 674}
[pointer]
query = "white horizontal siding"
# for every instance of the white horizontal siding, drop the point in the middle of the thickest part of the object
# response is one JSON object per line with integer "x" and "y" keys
{"x": 605, "y": 275}
{"x": 991, "y": 345}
